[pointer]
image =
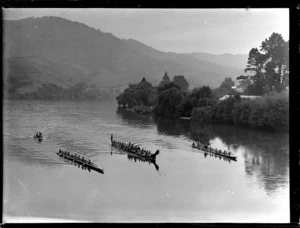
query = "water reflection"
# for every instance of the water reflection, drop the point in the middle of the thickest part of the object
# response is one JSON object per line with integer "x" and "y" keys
{"x": 172, "y": 127}
{"x": 263, "y": 156}
{"x": 39, "y": 140}
{"x": 134, "y": 119}
{"x": 135, "y": 158}
{"x": 202, "y": 133}
{"x": 78, "y": 165}
{"x": 266, "y": 154}
{"x": 217, "y": 156}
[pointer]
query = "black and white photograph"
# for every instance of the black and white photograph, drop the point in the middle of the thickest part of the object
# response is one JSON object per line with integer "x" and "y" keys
{"x": 146, "y": 115}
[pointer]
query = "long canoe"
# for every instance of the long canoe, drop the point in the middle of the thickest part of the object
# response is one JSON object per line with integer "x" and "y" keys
{"x": 151, "y": 157}
{"x": 89, "y": 165}
{"x": 217, "y": 153}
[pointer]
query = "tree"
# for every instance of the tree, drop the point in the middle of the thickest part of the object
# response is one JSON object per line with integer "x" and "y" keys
{"x": 165, "y": 80}
{"x": 269, "y": 67}
{"x": 255, "y": 62}
{"x": 199, "y": 97}
{"x": 144, "y": 83}
{"x": 168, "y": 103}
{"x": 204, "y": 91}
{"x": 227, "y": 84}
{"x": 277, "y": 67}
{"x": 167, "y": 86}
{"x": 166, "y": 77}
{"x": 181, "y": 81}
{"x": 138, "y": 94}
{"x": 224, "y": 89}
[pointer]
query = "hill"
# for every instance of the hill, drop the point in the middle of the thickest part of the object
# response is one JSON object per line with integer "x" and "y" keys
{"x": 238, "y": 61}
{"x": 56, "y": 51}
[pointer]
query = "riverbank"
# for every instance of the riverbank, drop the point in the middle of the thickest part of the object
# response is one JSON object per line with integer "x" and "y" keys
{"x": 139, "y": 109}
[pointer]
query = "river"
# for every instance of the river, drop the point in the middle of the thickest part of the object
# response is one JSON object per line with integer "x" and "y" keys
{"x": 184, "y": 185}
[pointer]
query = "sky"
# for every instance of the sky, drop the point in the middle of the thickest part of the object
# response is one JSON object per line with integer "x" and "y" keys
{"x": 214, "y": 31}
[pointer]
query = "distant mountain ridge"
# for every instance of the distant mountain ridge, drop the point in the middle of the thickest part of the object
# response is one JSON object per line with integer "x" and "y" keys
{"x": 229, "y": 60}
{"x": 54, "y": 50}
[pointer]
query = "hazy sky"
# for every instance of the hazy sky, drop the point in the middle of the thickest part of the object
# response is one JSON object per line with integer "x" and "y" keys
{"x": 214, "y": 31}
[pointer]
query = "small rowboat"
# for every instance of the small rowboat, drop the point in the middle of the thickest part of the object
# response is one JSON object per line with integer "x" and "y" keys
{"x": 86, "y": 164}
{"x": 217, "y": 153}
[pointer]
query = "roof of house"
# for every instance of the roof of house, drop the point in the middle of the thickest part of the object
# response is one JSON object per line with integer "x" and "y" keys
{"x": 242, "y": 96}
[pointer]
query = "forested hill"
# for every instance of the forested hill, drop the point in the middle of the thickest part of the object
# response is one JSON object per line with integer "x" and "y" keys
{"x": 65, "y": 54}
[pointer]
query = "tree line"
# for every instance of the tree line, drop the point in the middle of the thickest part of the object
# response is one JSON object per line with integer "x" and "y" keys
{"x": 172, "y": 99}
{"x": 79, "y": 91}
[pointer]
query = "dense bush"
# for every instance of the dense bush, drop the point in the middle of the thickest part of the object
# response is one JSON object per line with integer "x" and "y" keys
{"x": 138, "y": 94}
{"x": 186, "y": 106}
{"x": 168, "y": 103}
{"x": 200, "y": 97}
{"x": 241, "y": 112}
{"x": 268, "y": 112}
{"x": 204, "y": 114}
{"x": 166, "y": 86}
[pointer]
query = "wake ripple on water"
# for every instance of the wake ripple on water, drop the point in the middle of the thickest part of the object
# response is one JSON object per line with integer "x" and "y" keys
{"x": 31, "y": 156}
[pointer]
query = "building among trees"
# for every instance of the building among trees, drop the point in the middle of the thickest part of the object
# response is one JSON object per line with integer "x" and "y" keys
{"x": 242, "y": 97}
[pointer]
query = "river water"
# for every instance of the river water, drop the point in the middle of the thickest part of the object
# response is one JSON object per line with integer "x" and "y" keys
{"x": 183, "y": 186}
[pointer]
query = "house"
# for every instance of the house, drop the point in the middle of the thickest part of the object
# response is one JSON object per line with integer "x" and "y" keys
{"x": 238, "y": 88}
{"x": 242, "y": 96}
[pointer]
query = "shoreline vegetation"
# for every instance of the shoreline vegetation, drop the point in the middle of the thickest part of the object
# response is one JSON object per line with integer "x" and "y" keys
{"x": 266, "y": 105}
{"x": 48, "y": 91}
{"x": 268, "y": 112}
